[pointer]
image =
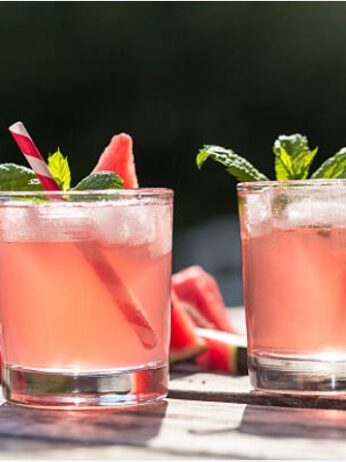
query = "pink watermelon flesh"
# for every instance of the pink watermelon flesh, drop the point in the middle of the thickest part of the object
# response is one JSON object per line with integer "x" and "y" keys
{"x": 118, "y": 158}
{"x": 202, "y": 298}
{"x": 185, "y": 343}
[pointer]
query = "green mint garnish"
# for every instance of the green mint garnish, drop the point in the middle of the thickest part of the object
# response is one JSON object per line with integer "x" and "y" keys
{"x": 293, "y": 159}
{"x": 99, "y": 181}
{"x": 60, "y": 169}
{"x": 236, "y": 165}
{"x": 334, "y": 167}
{"x": 18, "y": 178}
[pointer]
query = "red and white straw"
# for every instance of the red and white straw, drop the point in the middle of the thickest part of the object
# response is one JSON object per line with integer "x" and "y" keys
{"x": 33, "y": 156}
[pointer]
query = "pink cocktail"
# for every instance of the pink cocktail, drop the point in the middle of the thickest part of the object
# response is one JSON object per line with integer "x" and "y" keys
{"x": 84, "y": 296}
{"x": 294, "y": 271}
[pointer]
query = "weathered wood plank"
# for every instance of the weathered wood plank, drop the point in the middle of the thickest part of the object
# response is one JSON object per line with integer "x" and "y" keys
{"x": 189, "y": 384}
{"x": 175, "y": 429}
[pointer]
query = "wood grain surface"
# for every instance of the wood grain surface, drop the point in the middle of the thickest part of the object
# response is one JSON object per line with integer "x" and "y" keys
{"x": 174, "y": 429}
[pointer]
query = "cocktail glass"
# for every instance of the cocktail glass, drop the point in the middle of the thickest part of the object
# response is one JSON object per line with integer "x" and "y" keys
{"x": 294, "y": 271}
{"x": 85, "y": 296}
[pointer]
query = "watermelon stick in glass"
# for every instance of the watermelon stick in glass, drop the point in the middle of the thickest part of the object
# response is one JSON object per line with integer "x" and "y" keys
{"x": 66, "y": 343}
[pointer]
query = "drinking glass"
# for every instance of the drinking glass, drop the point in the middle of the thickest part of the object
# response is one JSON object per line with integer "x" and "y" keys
{"x": 293, "y": 236}
{"x": 85, "y": 296}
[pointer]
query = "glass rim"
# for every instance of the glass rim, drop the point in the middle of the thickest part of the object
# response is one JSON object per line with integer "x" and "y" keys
{"x": 277, "y": 184}
{"x": 126, "y": 193}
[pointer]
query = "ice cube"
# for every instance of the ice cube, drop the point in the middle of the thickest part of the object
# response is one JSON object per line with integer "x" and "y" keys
{"x": 125, "y": 223}
{"x": 314, "y": 213}
{"x": 163, "y": 223}
{"x": 110, "y": 224}
{"x": 18, "y": 224}
{"x": 258, "y": 213}
{"x": 53, "y": 222}
{"x": 142, "y": 225}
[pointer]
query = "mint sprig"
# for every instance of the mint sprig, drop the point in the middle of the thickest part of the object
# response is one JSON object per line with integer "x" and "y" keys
{"x": 59, "y": 167}
{"x": 292, "y": 161}
{"x": 15, "y": 177}
{"x": 293, "y": 157}
{"x": 334, "y": 167}
{"x": 100, "y": 181}
{"x": 236, "y": 165}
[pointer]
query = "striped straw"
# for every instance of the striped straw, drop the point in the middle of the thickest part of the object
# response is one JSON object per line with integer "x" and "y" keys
{"x": 33, "y": 156}
{"x": 121, "y": 295}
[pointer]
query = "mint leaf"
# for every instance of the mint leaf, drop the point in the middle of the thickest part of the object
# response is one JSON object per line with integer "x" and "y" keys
{"x": 334, "y": 167}
{"x": 235, "y": 165}
{"x": 283, "y": 165}
{"x": 99, "y": 181}
{"x": 293, "y": 157}
{"x": 15, "y": 177}
{"x": 60, "y": 169}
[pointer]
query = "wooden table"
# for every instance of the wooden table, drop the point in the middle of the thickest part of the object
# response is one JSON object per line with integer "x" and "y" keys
{"x": 205, "y": 416}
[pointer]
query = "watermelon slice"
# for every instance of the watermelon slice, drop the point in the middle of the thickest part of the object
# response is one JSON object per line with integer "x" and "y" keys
{"x": 199, "y": 293}
{"x": 225, "y": 353}
{"x": 185, "y": 343}
{"x": 118, "y": 158}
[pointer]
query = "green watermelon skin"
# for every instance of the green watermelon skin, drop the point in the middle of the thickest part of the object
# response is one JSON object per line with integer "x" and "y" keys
{"x": 225, "y": 352}
{"x": 118, "y": 158}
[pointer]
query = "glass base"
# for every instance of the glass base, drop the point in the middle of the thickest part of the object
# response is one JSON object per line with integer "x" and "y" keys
{"x": 84, "y": 390}
{"x": 292, "y": 375}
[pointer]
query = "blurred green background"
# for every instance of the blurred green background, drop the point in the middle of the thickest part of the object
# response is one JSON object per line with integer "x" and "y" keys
{"x": 174, "y": 76}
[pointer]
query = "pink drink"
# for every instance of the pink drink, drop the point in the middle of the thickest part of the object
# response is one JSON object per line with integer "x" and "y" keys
{"x": 310, "y": 318}
{"x": 294, "y": 270}
{"x": 59, "y": 314}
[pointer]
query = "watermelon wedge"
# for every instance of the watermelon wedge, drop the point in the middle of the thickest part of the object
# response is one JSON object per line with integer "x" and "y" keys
{"x": 199, "y": 293}
{"x": 118, "y": 158}
{"x": 185, "y": 343}
{"x": 225, "y": 353}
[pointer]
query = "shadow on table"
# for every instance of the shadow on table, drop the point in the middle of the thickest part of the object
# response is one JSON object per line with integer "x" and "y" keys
{"x": 34, "y": 429}
{"x": 294, "y": 423}
{"x": 184, "y": 370}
